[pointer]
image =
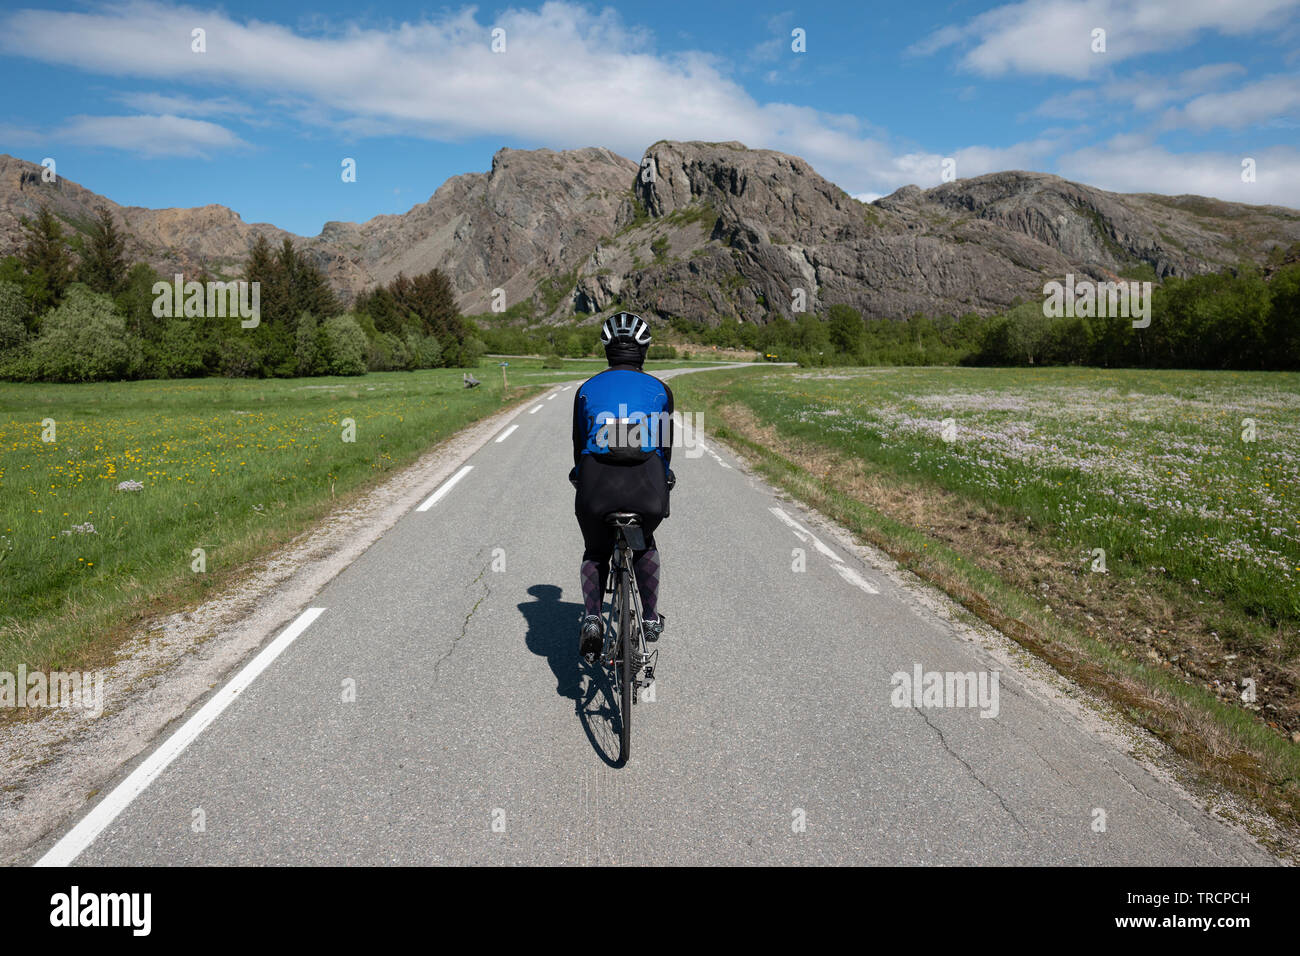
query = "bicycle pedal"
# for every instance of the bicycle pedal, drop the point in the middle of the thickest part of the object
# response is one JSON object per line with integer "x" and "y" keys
{"x": 649, "y": 675}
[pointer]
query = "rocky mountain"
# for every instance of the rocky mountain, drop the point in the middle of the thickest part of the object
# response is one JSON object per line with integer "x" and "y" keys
{"x": 171, "y": 240}
{"x": 715, "y": 229}
{"x": 536, "y": 213}
{"x": 711, "y": 230}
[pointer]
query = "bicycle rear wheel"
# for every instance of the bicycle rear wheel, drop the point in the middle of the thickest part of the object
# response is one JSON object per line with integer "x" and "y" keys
{"x": 624, "y": 669}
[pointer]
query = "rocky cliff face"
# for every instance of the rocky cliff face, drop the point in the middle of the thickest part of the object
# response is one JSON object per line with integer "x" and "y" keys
{"x": 711, "y": 230}
{"x": 727, "y": 231}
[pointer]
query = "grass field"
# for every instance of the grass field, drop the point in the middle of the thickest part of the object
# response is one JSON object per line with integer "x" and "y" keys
{"x": 1139, "y": 528}
{"x": 234, "y": 467}
{"x": 1150, "y": 466}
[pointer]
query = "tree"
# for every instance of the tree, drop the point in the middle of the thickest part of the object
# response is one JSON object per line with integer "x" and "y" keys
{"x": 1027, "y": 333}
{"x": 306, "y": 350}
{"x": 845, "y": 329}
{"x": 426, "y": 305}
{"x": 46, "y": 258}
{"x": 1284, "y": 318}
{"x": 135, "y": 300}
{"x": 103, "y": 264}
{"x": 13, "y": 316}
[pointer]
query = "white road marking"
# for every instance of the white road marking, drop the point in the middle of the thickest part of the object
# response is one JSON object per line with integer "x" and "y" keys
{"x": 445, "y": 487}
{"x": 848, "y": 574}
{"x": 842, "y": 569}
{"x": 694, "y": 434}
{"x": 715, "y": 456}
{"x": 534, "y": 410}
{"x": 84, "y": 833}
{"x": 551, "y": 396}
{"x": 505, "y": 434}
{"x": 801, "y": 531}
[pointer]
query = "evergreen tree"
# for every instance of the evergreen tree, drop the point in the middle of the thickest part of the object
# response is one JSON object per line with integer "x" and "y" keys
{"x": 47, "y": 260}
{"x": 103, "y": 264}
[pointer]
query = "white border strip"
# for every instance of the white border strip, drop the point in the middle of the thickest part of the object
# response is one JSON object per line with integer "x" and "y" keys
{"x": 843, "y": 570}
{"x": 799, "y": 531}
{"x": 506, "y": 434}
{"x": 445, "y": 487}
{"x": 84, "y": 833}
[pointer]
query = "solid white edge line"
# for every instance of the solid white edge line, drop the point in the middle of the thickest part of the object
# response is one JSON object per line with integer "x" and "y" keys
{"x": 848, "y": 574}
{"x": 800, "y": 530}
{"x": 844, "y": 571}
{"x": 535, "y": 409}
{"x": 445, "y": 487}
{"x": 93, "y": 824}
{"x": 505, "y": 434}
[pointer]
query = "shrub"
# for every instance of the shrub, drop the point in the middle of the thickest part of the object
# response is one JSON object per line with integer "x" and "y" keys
{"x": 425, "y": 351}
{"x": 179, "y": 353}
{"x": 239, "y": 357}
{"x": 346, "y": 346}
{"x": 83, "y": 340}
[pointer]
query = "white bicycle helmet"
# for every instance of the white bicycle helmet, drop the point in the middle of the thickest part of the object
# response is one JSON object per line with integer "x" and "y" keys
{"x": 625, "y": 325}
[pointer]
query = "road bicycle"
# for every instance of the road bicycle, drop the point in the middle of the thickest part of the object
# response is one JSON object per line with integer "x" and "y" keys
{"x": 624, "y": 651}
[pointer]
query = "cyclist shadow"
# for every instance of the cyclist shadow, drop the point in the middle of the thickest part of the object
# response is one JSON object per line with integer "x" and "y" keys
{"x": 552, "y": 634}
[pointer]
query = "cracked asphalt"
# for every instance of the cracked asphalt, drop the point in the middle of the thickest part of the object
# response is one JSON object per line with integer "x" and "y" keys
{"x": 477, "y": 737}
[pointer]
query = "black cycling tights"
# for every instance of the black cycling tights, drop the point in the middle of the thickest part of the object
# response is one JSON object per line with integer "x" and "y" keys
{"x": 646, "y": 565}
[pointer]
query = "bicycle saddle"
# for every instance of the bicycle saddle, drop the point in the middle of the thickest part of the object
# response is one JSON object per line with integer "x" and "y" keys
{"x": 624, "y": 519}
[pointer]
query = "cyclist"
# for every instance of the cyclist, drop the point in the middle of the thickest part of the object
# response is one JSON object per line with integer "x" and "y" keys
{"x": 622, "y": 447}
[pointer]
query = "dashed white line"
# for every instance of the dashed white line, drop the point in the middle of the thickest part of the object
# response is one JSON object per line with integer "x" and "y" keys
{"x": 84, "y": 833}
{"x": 445, "y": 487}
{"x": 551, "y": 396}
{"x": 534, "y": 410}
{"x": 505, "y": 434}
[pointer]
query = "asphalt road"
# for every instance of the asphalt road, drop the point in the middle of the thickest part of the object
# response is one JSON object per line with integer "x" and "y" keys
{"x": 476, "y": 736}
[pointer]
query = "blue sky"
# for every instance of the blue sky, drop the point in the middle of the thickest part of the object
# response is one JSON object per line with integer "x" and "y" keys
{"x": 262, "y": 119}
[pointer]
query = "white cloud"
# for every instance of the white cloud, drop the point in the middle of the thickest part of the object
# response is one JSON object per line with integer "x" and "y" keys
{"x": 1055, "y": 36}
{"x": 1129, "y": 167}
{"x": 1142, "y": 92}
{"x": 150, "y": 136}
{"x": 1270, "y": 98}
{"x": 867, "y": 197}
{"x": 160, "y": 103}
{"x": 574, "y": 77}
{"x": 569, "y": 77}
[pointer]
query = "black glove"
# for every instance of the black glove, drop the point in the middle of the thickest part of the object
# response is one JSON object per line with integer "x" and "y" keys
{"x": 672, "y": 479}
{"x": 573, "y": 476}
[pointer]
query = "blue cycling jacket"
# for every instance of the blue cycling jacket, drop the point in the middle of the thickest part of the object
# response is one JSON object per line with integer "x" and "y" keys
{"x": 623, "y": 415}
